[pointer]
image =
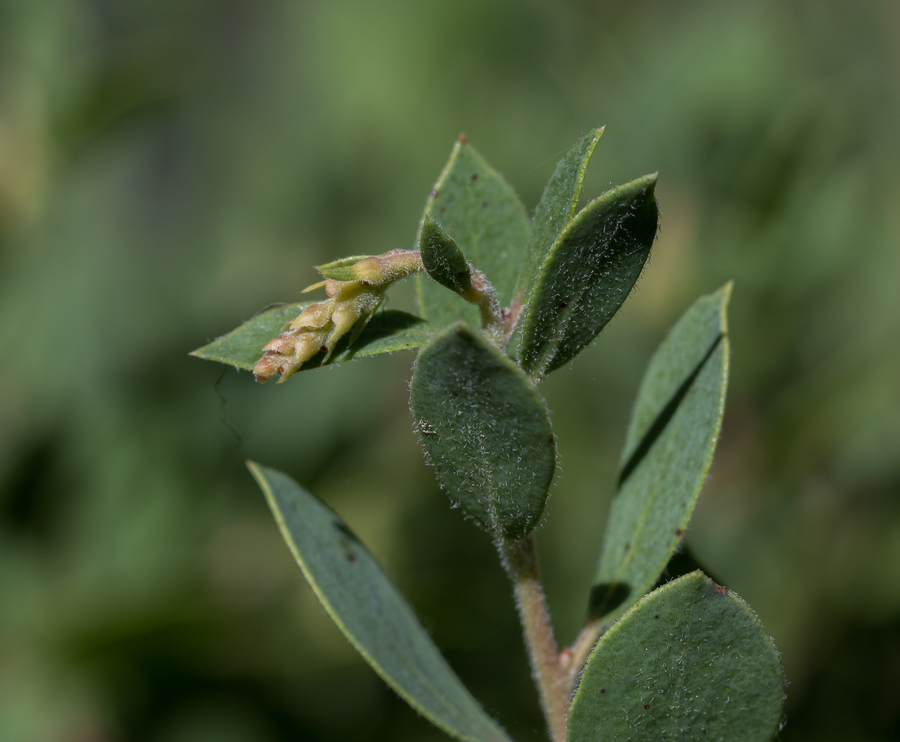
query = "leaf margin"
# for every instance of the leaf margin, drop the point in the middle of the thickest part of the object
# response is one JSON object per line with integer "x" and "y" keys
{"x": 622, "y": 624}
{"x": 462, "y": 328}
{"x": 256, "y": 471}
{"x": 426, "y": 296}
{"x": 535, "y": 253}
{"x": 538, "y": 363}
{"x": 616, "y": 611}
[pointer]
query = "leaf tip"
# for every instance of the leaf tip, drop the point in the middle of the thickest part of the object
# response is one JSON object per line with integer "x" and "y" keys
{"x": 257, "y": 471}
{"x": 726, "y": 290}
{"x": 592, "y": 137}
{"x": 725, "y": 293}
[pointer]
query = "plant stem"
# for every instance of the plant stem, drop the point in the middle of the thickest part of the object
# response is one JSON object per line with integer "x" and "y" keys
{"x": 576, "y": 655}
{"x": 520, "y": 560}
{"x": 492, "y": 320}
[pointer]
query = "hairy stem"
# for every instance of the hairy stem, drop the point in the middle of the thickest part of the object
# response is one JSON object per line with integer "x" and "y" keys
{"x": 481, "y": 293}
{"x": 575, "y": 656}
{"x": 492, "y": 319}
{"x": 520, "y": 560}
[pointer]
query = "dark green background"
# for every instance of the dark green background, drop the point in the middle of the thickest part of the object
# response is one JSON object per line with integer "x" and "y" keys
{"x": 168, "y": 168}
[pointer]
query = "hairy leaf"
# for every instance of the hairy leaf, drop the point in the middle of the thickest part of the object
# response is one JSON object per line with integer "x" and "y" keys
{"x": 370, "y": 612}
{"x": 587, "y": 275}
{"x": 386, "y": 332}
{"x": 442, "y": 258}
{"x": 668, "y": 450}
{"x": 554, "y": 210}
{"x": 689, "y": 662}
{"x": 485, "y": 429}
{"x": 477, "y": 207}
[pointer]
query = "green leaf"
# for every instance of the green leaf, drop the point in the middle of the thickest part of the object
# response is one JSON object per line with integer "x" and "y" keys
{"x": 587, "y": 275}
{"x": 486, "y": 430}
{"x": 386, "y": 332}
{"x": 370, "y": 612}
{"x": 443, "y": 260}
{"x": 689, "y": 662}
{"x": 477, "y": 207}
{"x": 668, "y": 450}
{"x": 554, "y": 210}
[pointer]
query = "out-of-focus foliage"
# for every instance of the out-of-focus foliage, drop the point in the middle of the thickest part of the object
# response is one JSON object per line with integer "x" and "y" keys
{"x": 167, "y": 169}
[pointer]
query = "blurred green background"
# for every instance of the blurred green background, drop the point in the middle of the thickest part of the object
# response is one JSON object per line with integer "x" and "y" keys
{"x": 168, "y": 168}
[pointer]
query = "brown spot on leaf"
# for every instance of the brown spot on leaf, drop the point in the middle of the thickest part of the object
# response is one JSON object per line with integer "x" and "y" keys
{"x": 563, "y": 304}
{"x": 603, "y": 690}
{"x": 647, "y": 706}
{"x": 679, "y": 533}
{"x": 474, "y": 176}
{"x": 717, "y": 589}
{"x": 463, "y": 139}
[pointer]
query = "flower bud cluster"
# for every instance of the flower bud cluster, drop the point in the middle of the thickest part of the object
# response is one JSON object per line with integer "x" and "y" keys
{"x": 351, "y": 302}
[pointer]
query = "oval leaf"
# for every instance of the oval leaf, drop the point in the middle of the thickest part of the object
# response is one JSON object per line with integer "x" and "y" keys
{"x": 588, "y": 274}
{"x": 554, "y": 210}
{"x": 370, "y": 612}
{"x": 443, "y": 260}
{"x": 668, "y": 450}
{"x": 386, "y": 332}
{"x": 485, "y": 429}
{"x": 473, "y": 202}
{"x": 690, "y": 661}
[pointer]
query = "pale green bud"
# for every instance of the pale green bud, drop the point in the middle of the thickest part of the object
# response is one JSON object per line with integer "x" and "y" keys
{"x": 355, "y": 288}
